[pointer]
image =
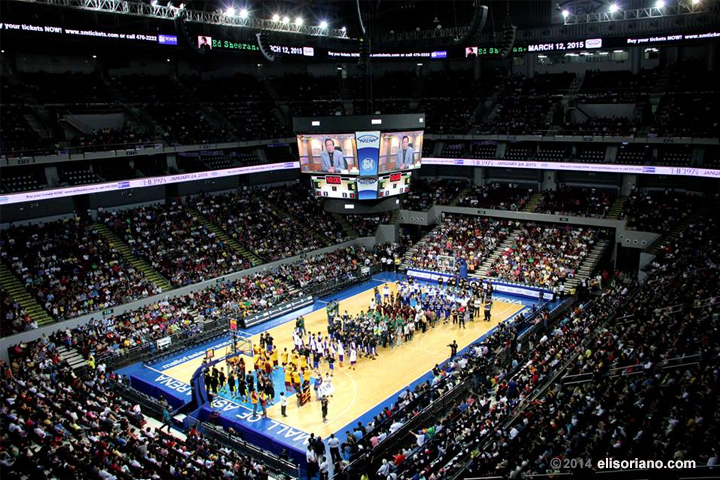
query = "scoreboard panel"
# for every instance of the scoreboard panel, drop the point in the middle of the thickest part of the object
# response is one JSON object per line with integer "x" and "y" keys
{"x": 394, "y": 184}
{"x": 335, "y": 186}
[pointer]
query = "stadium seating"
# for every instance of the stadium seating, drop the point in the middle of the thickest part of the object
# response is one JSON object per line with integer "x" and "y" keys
{"x": 659, "y": 211}
{"x": 70, "y": 268}
{"x": 77, "y": 426}
{"x": 13, "y": 317}
{"x": 510, "y": 196}
{"x": 543, "y": 255}
{"x": 586, "y": 202}
{"x": 366, "y": 225}
{"x": 258, "y": 226}
{"x": 21, "y": 180}
{"x": 472, "y": 239}
{"x": 304, "y": 206}
{"x": 426, "y": 193}
{"x": 174, "y": 242}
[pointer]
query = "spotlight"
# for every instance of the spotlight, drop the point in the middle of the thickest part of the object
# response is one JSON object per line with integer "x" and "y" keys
{"x": 614, "y": 8}
{"x": 695, "y": 2}
{"x": 276, "y": 18}
{"x": 154, "y": 3}
{"x": 323, "y": 24}
{"x": 343, "y": 29}
{"x": 94, "y": 56}
{"x": 230, "y": 11}
{"x": 565, "y": 13}
{"x": 298, "y": 21}
{"x": 244, "y": 13}
{"x": 181, "y": 7}
{"x": 286, "y": 20}
{"x": 660, "y": 4}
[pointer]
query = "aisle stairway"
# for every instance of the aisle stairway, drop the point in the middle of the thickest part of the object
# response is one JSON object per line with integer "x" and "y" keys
{"x": 393, "y": 218}
{"x": 347, "y": 228}
{"x": 616, "y": 208}
{"x": 460, "y": 195}
{"x": 18, "y": 293}
{"x": 673, "y": 235}
{"x": 73, "y": 357}
{"x": 532, "y": 203}
{"x": 138, "y": 263}
{"x": 222, "y": 235}
{"x": 485, "y": 266}
{"x": 588, "y": 266}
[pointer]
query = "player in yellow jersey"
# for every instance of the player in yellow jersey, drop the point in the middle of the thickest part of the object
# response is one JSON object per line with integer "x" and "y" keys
{"x": 284, "y": 358}
{"x": 288, "y": 377}
{"x": 274, "y": 358}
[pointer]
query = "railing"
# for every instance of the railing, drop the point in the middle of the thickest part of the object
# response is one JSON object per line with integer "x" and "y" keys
{"x": 180, "y": 341}
{"x": 546, "y": 384}
{"x": 436, "y": 406}
{"x": 270, "y": 460}
{"x": 637, "y": 369}
{"x": 150, "y": 352}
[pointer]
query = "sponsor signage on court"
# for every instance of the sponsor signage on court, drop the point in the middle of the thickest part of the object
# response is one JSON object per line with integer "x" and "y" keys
{"x": 512, "y": 289}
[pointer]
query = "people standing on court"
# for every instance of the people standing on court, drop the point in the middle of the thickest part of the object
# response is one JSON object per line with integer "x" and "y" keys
{"x": 255, "y": 400}
{"x": 324, "y": 406}
{"x": 488, "y": 309}
{"x": 283, "y": 404}
{"x": 312, "y": 463}
{"x": 334, "y": 446}
{"x": 453, "y": 349}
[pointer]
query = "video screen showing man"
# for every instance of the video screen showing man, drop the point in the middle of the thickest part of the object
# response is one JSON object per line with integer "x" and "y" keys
{"x": 334, "y": 153}
{"x": 406, "y": 155}
{"x": 205, "y": 43}
{"x": 331, "y": 158}
{"x": 400, "y": 151}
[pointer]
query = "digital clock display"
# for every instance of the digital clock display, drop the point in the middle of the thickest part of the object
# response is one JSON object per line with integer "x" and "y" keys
{"x": 395, "y": 177}
{"x": 333, "y": 180}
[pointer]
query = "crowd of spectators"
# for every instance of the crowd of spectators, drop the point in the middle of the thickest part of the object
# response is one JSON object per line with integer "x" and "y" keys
{"x": 304, "y": 206}
{"x": 466, "y": 238}
{"x": 498, "y": 196}
{"x": 367, "y": 225}
{"x": 524, "y": 105}
{"x": 185, "y": 314}
{"x": 658, "y": 211}
{"x": 602, "y": 126}
{"x": 70, "y": 268}
{"x": 687, "y": 115}
{"x": 437, "y": 191}
{"x": 63, "y": 424}
{"x": 583, "y": 201}
{"x": 622, "y": 397}
{"x": 505, "y": 369}
{"x": 13, "y": 317}
{"x": 247, "y": 217}
{"x": 174, "y": 242}
{"x": 616, "y": 86}
{"x": 111, "y": 137}
{"x": 543, "y": 255}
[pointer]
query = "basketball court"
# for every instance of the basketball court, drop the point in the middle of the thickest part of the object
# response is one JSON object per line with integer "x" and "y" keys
{"x": 358, "y": 394}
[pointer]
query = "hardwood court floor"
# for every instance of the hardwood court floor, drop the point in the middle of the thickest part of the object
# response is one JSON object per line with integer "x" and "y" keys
{"x": 373, "y": 381}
